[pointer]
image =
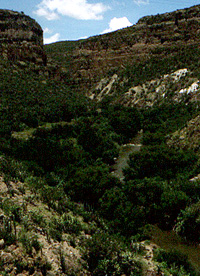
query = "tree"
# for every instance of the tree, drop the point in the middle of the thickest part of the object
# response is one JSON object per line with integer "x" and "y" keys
{"x": 89, "y": 184}
{"x": 160, "y": 160}
{"x": 188, "y": 224}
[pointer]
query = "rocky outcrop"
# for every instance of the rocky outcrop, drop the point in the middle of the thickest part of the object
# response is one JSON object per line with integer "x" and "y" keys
{"x": 21, "y": 38}
{"x": 176, "y": 87}
{"x": 93, "y": 59}
{"x": 188, "y": 13}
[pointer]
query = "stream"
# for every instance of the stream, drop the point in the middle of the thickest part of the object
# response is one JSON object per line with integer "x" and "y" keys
{"x": 122, "y": 161}
{"x": 167, "y": 240}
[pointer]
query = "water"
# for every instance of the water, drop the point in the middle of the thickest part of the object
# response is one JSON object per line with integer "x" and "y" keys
{"x": 122, "y": 161}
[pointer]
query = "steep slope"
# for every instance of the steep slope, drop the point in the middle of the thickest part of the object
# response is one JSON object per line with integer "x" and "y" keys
{"x": 21, "y": 37}
{"x": 62, "y": 211}
{"x": 40, "y": 237}
{"x": 187, "y": 137}
{"x": 137, "y": 50}
{"x": 29, "y": 239}
{"x": 178, "y": 87}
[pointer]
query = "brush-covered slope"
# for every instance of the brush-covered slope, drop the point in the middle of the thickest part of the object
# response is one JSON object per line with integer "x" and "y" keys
{"x": 155, "y": 45}
{"x": 63, "y": 211}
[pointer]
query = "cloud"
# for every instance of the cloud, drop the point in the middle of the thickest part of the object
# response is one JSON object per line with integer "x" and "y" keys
{"x": 117, "y": 23}
{"x": 141, "y": 2}
{"x": 47, "y": 31}
{"x": 52, "y": 39}
{"x": 41, "y": 11}
{"x": 83, "y": 37}
{"x": 78, "y": 9}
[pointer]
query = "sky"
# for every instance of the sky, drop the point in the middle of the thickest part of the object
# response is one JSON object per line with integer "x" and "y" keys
{"x": 76, "y": 19}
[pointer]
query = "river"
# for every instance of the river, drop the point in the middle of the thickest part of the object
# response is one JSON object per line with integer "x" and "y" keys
{"x": 122, "y": 161}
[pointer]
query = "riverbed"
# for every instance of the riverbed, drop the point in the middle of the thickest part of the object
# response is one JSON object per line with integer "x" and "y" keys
{"x": 122, "y": 161}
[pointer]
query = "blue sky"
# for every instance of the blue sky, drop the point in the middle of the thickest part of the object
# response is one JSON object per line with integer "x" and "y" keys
{"x": 75, "y": 19}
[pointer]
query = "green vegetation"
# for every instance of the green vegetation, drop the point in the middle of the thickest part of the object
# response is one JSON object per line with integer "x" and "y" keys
{"x": 62, "y": 147}
{"x": 161, "y": 63}
{"x": 55, "y": 141}
{"x": 173, "y": 262}
{"x": 188, "y": 222}
{"x": 158, "y": 160}
{"x": 106, "y": 255}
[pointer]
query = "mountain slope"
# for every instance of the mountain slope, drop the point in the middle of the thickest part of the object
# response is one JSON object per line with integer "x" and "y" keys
{"x": 21, "y": 38}
{"x": 62, "y": 128}
{"x": 171, "y": 37}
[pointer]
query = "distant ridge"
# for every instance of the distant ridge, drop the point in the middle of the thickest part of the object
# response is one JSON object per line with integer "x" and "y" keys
{"x": 159, "y": 36}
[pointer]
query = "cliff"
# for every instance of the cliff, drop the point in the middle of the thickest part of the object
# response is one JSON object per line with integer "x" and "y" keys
{"x": 21, "y": 37}
{"x": 90, "y": 60}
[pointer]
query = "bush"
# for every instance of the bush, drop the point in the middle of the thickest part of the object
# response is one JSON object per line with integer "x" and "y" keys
{"x": 12, "y": 210}
{"x": 188, "y": 224}
{"x": 140, "y": 202}
{"x": 105, "y": 255}
{"x": 8, "y": 231}
{"x": 89, "y": 184}
{"x": 160, "y": 161}
{"x": 125, "y": 121}
{"x": 175, "y": 261}
{"x": 70, "y": 224}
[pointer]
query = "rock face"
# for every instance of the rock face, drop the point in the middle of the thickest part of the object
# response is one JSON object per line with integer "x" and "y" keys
{"x": 101, "y": 56}
{"x": 21, "y": 38}
{"x": 179, "y": 86}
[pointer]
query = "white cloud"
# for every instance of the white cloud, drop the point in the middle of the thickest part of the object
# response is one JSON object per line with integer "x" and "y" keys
{"x": 141, "y": 2}
{"x": 41, "y": 11}
{"x": 52, "y": 39}
{"x": 117, "y": 23}
{"x": 78, "y": 9}
{"x": 47, "y": 31}
{"x": 83, "y": 37}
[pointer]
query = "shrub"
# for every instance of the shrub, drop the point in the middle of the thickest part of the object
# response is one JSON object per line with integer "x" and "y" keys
{"x": 8, "y": 231}
{"x": 12, "y": 210}
{"x": 29, "y": 242}
{"x": 160, "y": 161}
{"x": 175, "y": 261}
{"x": 89, "y": 184}
{"x": 105, "y": 255}
{"x": 188, "y": 224}
{"x": 25, "y": 239}
{"x": 70, "y": 224}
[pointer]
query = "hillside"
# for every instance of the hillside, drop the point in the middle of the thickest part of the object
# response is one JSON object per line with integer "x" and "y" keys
{"x": 21, "y": 38}
{"x": 155, "y": 45}
{"x": 65, "y": 121}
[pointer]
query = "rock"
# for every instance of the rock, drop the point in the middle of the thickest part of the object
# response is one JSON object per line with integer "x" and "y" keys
{"x": 37, "y": 273}
{"x": 50, "y": 273}
{"x": 2, "y": 243}
{"x": 2, "y": 216}
{"x": 6, "y": 257}
{"x": 21, "y": 38}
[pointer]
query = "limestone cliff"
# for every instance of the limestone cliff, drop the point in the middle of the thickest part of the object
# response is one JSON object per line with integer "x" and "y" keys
{"x": 158, "y": 36}
{"x": 21, "y": 37}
